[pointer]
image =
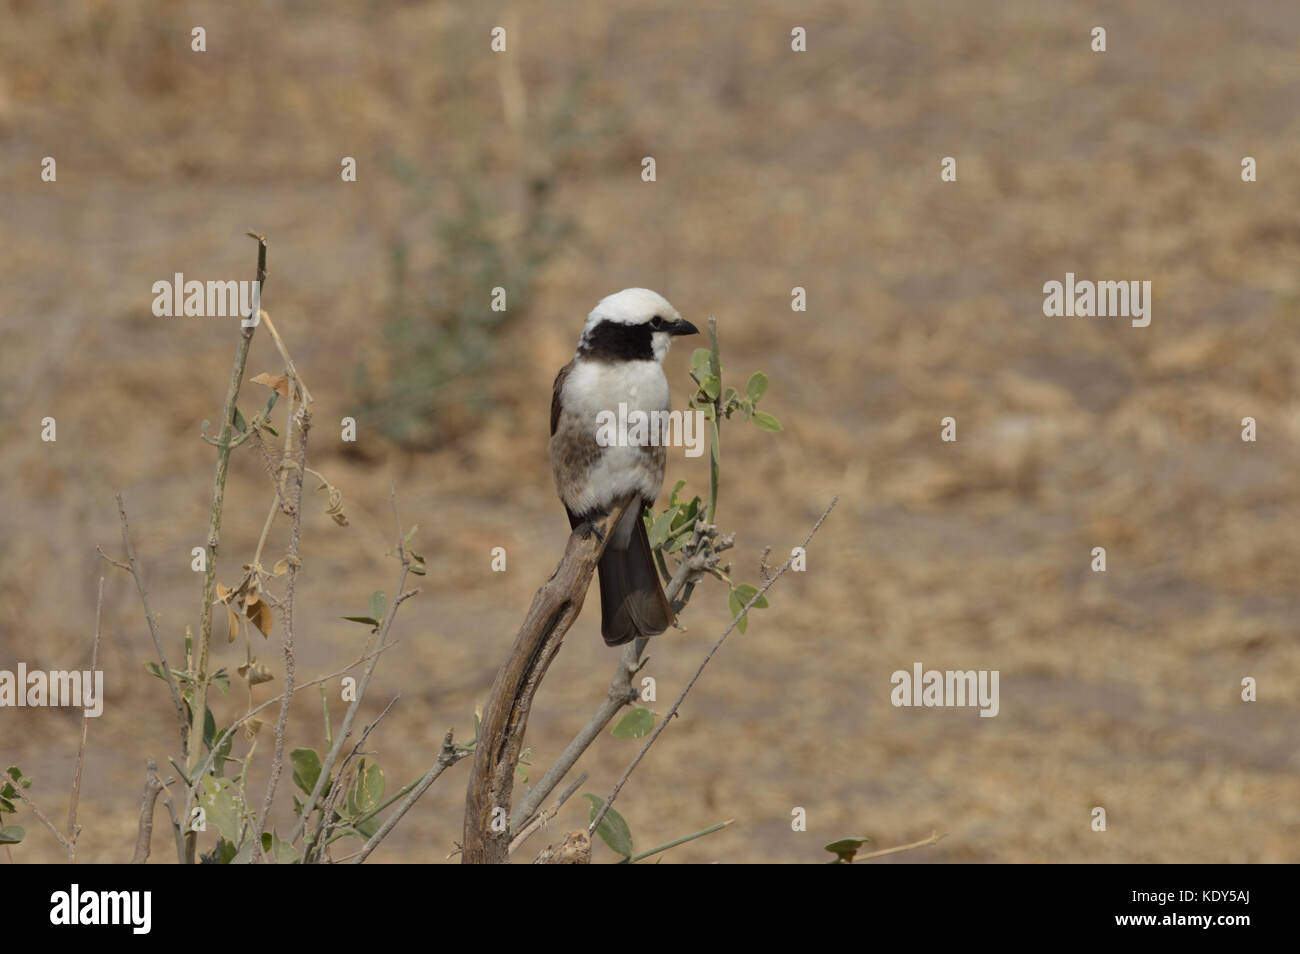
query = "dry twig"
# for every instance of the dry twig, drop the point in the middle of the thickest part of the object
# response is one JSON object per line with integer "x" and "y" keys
{"x": 381, "y": 642}
{"x": 700, "y": 556}
{"x": 199, "y": 667}
{"x": 663, "y": 723}
{"x": 448, "y": 755}
{"x": 144, "y": 834}
{"x": 505, "y": 716}
{"x": 132, "y": 567}
{"x": 73, "y": 829}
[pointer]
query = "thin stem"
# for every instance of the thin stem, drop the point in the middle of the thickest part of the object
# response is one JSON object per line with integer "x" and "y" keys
{"x": 663, "y": 724}
{"x": 293, "y": 503}
{"x": 675, "y": 842}
{"x": 621, "y": 691}
{"x": 346, "y": 728}
{"x": 923, "y": 843}
{"x": 43, "y": 819}
{"x": 199, "y": 708}
{"x": 73, "y": 830}
{"x": 133, "y": 567}
{"x": 447, "y": 755}
{"x": 144, "y": 834}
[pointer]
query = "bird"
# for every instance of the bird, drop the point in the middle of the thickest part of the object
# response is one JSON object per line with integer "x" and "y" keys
{"x": 619, "y": 360}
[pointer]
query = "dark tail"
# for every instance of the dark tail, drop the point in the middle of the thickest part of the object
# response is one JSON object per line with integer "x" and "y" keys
{"x": 632, "y": 600}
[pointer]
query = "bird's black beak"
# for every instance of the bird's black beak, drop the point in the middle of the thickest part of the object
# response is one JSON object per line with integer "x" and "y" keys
{"x": 682, "y": 327}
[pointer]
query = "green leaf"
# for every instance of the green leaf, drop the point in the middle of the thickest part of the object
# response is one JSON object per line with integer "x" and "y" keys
{"x": 12, "y": 834}
{"x": 612, "y": 829}
{"x": 209, "y": 727}
{"x": 156, "y": 669}
{"x": 735, "y": 606}
{"x": 747, "y": 592}
{"x": 221, "y": 805}
{"x": 845, "y": 849}
{"x": 635, "y": 724}
{"x": 225, "y": 852}
{"x": 221, "y": 679}
{"x": 711, "y": 386}
{"x": 306, "y": 768}
{"x": 700, "y": 361}
{"x": 378, "y": 603}
{"x": 368, "y": 620}
{"x": 660, "y": 528}
{"x": 686, "y": 514}
{"x": 245, "y": 854}
{"x": 767, "y": 422}
{"x": 368, "y": 792}
{"x": 363, "y": 830}
{"x": 281, "y": 851}
{"x": 672, "y": 498}
{"x": 757, "y": 386}
{"x": 240, "y": 424}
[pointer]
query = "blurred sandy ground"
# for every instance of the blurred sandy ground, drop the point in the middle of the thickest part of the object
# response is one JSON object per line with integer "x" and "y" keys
{"x": 774, "y": 170}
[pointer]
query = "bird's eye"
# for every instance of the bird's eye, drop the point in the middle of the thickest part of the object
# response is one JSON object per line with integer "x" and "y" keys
{"x": 656, "y": 322}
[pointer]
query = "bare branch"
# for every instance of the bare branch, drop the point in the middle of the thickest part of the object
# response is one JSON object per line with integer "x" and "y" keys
{"x": 177, "y": 831}
{"x": 381, "y": 642}
{"x": 43, "y": 819}
{"x": 133, "y": 567}
{"x": 691, "y": 682}
{"x": 221, "y": 737}
{"x": 289, "y": 492}
{"x": 144, "y": 834}
{"x": 448, "y": 755}
{"x": 923, "y": 843}
{"x": 73, "y": 830}
{"x": 699, "y": 556}
{"x": 200, "y": 668}
{"x": 540, "y": 820}
{"x": 327, "y": 823}
{"x": 505, "y": 716}
{"x": 291, "y": 370}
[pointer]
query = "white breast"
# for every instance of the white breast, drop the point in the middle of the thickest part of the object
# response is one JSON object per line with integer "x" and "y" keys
{"x": 593, "y": 387}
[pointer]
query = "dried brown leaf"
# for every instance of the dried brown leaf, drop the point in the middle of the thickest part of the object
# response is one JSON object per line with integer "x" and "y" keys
{"x": 258, "y": 613}
{"x": 276, "y": 382}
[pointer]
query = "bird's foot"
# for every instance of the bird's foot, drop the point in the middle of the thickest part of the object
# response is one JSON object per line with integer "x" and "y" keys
{"x": 590, "y": 527}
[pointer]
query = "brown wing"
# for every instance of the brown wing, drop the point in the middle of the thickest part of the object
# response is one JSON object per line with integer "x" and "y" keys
{"x": 555, "y": 394}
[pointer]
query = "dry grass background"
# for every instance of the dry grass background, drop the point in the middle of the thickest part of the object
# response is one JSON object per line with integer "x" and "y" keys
{"x": 775, "y": 169}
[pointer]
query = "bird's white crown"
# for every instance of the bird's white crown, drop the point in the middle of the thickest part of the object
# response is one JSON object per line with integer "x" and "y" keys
{"x": 631, "y": 306}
